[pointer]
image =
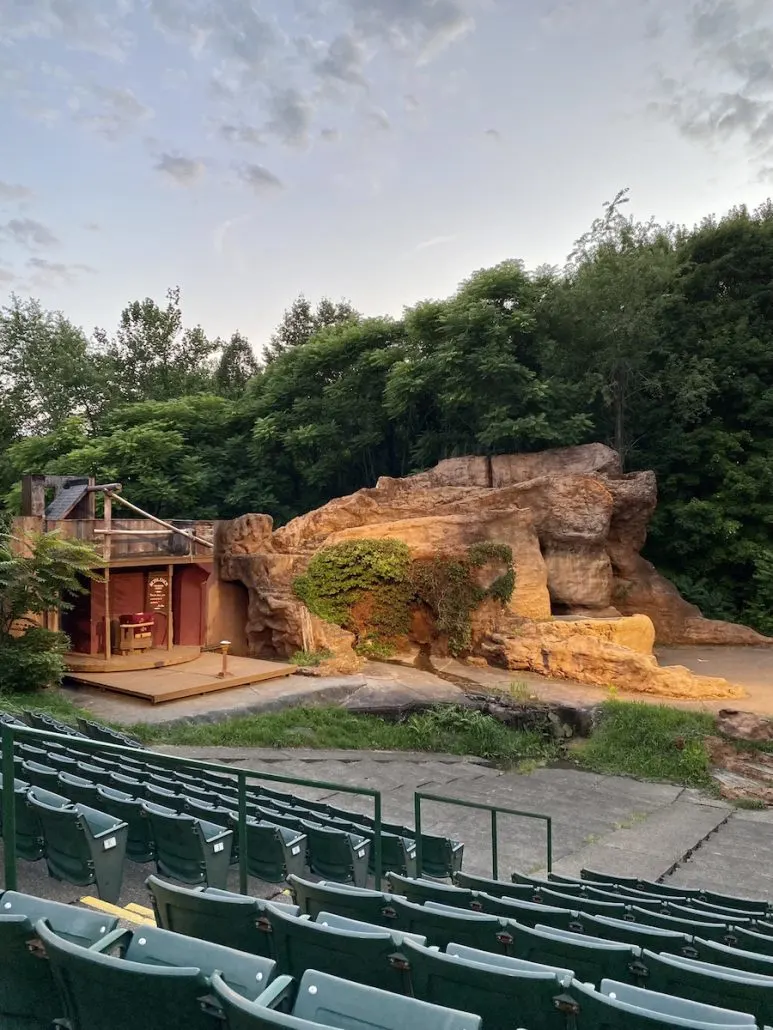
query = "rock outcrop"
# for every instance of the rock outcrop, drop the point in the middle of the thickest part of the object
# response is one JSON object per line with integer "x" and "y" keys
{"x": 576, "y": 525}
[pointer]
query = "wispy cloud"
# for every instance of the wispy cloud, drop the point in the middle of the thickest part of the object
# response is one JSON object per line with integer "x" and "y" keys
{"x": 433, "y": 241}
{"x": 185, "y": 171}
{"x": 493, "y": 134}
{"x": 110, "y": 112}
{"x": 14, "y": 191}
{"x": 258, "y": 178}
{"x": 55, "y": 273}
{"x": 28, "y": 232}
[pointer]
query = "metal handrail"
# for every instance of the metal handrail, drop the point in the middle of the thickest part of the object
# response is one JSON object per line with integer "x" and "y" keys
{"x": 9, "y": 732}
{"x": 418, "y": 797}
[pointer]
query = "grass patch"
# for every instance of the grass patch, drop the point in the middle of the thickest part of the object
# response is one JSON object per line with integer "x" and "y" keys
{"x": 650, "y": 742}
{"x": 52, "y": 702}
{"x": 449, "y": 729}
{"x": 309, "y": 659}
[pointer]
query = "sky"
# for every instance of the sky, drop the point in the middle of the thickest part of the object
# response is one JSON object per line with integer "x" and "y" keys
{"x": 373, "y": 150}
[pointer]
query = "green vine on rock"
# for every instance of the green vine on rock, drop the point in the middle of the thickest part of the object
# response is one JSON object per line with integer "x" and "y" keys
{"x": 371, "y": 587}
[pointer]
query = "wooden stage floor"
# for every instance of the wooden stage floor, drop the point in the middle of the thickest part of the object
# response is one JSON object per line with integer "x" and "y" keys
{"x": 171, "y": 682}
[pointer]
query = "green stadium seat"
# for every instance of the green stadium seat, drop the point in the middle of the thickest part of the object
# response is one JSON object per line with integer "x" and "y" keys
{"x": 490, "y": 958}
{"x": 192, "y": 790}
{"x": 761, "y": 907}
{"x": 738, "y": 958}
{"x": 619, "y": 1006}
{"x": 39, "y": 775}
{"x": 495, "y": 888}
{"x": 62, "y": 761}
{"x": 222, "y": 918}
{"x": 530, "y": 913}
{"x": 703, "y": 915}
{"x": 397, "y": 853}
{"x": 157, "y": 981}
{"x": 591, "y": 958}
{"x": 29, "y": 999}
{"x": 711, "y": 984}
{"x": 441, "y": 857}
{"x": 734, "y": 914}
{"x": 300, "y": 944}
{"x": 609, "y": 908}
{"x": 189, "y": 849}
{"x": 503, "y": 995}
{"x": 643, "y": 936}
{"x": 342, "y": 923}
{"x": 83, "y": 845}
{"x": 140, "y": 846}
{"x": 355, "y": 903}
{"x": 97, "y": 731}
{"x": 77, "y": 790}
{"x": 336, "y": 855}
{"x": 442, "y": 925}
{"x": 753, "y": 940}
{"x": 420, "y": 890}
{"x": 164, "y": 798}
{"x": 30, "y": 843}
{"x": 326, "y": 1001}
{"x": 273, "y": 852}
{"x": 95, "y": 773}
{"x": 711, "y": 931}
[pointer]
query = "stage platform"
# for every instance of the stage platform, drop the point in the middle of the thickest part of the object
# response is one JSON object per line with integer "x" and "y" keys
{"x": 153, "y": 658}
{"x": 187, "y": 678}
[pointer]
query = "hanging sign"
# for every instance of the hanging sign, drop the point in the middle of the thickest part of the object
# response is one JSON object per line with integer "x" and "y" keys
{"x": 158, "y": 593}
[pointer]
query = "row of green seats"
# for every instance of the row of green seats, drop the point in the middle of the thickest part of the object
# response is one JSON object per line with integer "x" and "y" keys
{"x": 545, "y": 983}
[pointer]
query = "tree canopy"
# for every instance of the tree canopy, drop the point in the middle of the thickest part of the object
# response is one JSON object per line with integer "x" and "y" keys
{"x": 655, "y": 339}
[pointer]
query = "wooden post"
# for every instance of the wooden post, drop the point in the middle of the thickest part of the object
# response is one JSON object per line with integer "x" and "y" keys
{"x": 108, "y": 518}
{"x": 108, "y": 642}
{"x": 169, "y": 614}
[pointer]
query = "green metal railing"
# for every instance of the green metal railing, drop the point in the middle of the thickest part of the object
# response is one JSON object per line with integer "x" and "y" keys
{"x": 495, "y": 810}
{"x": 9, "y": 733}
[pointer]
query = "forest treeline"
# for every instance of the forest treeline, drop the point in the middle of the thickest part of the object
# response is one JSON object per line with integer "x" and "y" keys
{"x": 655, "y": 339}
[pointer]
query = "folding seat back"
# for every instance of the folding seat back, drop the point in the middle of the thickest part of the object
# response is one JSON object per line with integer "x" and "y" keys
{"x": 419, "y": 890}
{"x": 441, "y": 857}
{"x": 760, "y": 907}
{"x": 140, "y": 846}
{"x": 30, "y": 843}
{"x": 97, "y": 731}
{"x": 711, "y": 984}
{"x": 495, "y": 888}
{"x": 584, "y": 904}
{"x": 163, "y": 797}
{"x": 231, "y": 920}
{"x": 104, "y": 991}
{"x": 753, "y": 940}
{"x": 299, "y": 944}
{"x": 639, "y": 934}
{"x": 95, "y": 773}
{"x": 503, "y": 996}
{"x": 442, "y": 925}
{"x": 191, "y": 790}
{"x": 29, "y": 999}
{"x": 39, "y": 775}
{"x": 716, "y": 911}
{"x": 398, "y": 853}
{"x": 530, "y": 913}
{"x": 246, "y": 973}
{"x": 710, "y": 931}
{"x": 273, "y": 852}
{"x": 738, "y": 958}
{"x": 83, "y": 846}
{"x": 591, "y": 958}
{"x": 354, "y": 903}
{"x": 62, "y": 761}
{"x": 77, "y": 789}
{"x": 705, "y": 915}
{"x": 326, "y": 1001}
{"x": 619, "y": 1006}
{"x": 336, "y": 855}
{"x": 488, "y": 958}
{"x": 342, "y": 923}
{"x": 189, "y": 849}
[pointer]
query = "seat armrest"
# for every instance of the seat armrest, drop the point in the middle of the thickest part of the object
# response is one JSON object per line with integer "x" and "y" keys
{"x": 104, "y": 944}
{"x": 280, "y": 992}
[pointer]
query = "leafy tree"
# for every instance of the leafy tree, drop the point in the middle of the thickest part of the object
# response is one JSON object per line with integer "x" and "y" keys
{"x": 301, "y": 321}
{"x": 237, "y": 365}
{"x": 152, "y": 357}
{"x": 36, "y": 574}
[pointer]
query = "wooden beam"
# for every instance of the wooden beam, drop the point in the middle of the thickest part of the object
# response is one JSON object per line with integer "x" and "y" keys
{"x": 108, "y": 641}
{"x": 169, "y": 612}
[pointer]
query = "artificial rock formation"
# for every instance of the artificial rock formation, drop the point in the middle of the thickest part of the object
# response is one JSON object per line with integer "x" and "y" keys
{"x": 576, "y": 525}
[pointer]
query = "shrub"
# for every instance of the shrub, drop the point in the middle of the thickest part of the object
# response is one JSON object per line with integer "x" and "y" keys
{"x": 31, "y": 661}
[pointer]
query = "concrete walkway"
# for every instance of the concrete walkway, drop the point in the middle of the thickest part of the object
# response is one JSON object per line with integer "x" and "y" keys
{"x": 610, "y": 823}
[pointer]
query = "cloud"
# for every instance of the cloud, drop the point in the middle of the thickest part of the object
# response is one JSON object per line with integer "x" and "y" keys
{"x": 411, "y": 102}
{"x": 92, "y": 226}
{"x": 28, "y": 232}
{"x": 55, "y": 273}
{"x": 434, "y": 241}
{"x": 330, "y": 135}
{"x": 379, "y": 119}
{"x": 727, "y": 93}
{"x": 422, "y": 26}
{"x": 184, "y": 170}
{"x": 6, "y": 275}
{"x": 291, "y": 114}
{"x": 94, "y": 26}
{"x": 493, "y": 134}
{"x": 241, "y": 133}
{"x": 13, "y": 191}
{"x": 343, "y": 61}
{"x": 114, "y": 113}
{"x": 258, "y": 178}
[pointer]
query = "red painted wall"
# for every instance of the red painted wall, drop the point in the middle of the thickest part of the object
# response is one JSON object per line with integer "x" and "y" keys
{"x": 189, "y": 606}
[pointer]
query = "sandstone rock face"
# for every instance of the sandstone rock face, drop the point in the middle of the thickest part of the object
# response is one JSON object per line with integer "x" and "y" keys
{"x": 575, "y": 524}
{"x": 744, "y": 725}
